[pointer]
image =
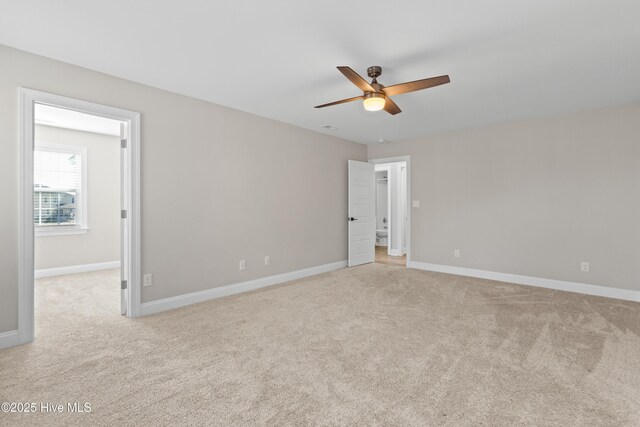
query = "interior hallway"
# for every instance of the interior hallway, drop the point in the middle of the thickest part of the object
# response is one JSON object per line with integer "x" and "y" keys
{"x": 383, "y": 257}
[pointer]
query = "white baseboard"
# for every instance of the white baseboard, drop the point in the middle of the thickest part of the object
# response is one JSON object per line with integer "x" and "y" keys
{"x": 8, "y": 339}
{"x": 74, "y": 269}
{"x": 560, "y": 285}
{"x": 236, "y": 288}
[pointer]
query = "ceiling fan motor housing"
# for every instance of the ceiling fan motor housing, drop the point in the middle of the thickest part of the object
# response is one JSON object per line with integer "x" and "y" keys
{"x": 368, "y": 95}
{"x": 377, "y": 86}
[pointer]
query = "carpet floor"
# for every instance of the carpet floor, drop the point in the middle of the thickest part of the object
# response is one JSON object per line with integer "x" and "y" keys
{"x": 371, "y": 345}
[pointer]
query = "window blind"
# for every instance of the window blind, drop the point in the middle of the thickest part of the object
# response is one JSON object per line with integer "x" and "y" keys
{"x": 57, "y": 177}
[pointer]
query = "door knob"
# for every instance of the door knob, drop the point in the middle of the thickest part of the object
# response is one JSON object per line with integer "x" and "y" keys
{"x": 352, "y": 218}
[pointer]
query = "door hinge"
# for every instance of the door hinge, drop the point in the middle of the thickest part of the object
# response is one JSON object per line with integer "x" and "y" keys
{"x": 123, "y": 143}
{"x": 123, "y": 284}
{"x": 123, "y": 214}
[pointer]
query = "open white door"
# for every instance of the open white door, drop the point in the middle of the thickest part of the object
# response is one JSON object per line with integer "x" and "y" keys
{"x": 124, "y": 247}
{"x": 362, "y": 213}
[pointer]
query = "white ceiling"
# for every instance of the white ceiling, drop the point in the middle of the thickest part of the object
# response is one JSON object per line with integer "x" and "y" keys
{"x": 507, "y": 59}
{"x": 69, "y": 119}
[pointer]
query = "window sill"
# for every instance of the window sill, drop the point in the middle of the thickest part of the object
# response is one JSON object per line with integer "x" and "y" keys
{"x": 59, "y": 231}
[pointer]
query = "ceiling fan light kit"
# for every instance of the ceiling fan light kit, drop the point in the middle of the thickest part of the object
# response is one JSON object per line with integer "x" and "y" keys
{"x": 376, "y": 96}
{"x": 373, "y": 101}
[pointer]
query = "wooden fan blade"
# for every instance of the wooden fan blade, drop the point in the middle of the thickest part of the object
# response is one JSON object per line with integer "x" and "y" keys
{"x": 356, "y": 79}
{"x": 391, "y": 107}
{"x": 342, "y": 101}
{"x": 415, "y": 85}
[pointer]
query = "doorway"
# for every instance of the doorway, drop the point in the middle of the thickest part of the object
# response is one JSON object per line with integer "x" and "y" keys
{"x": 392, "y": 211}
{"x": 60, "y": 153}
{"x": 77, "y": 203}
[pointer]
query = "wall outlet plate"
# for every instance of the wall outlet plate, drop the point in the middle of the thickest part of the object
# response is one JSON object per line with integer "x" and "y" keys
{"x": 242, "y": 265}
{"x": 584, "y": 267}
{"x": 267, "y": 260}
{"x": 456, "y": 253}
{"x": 147, "y": 280}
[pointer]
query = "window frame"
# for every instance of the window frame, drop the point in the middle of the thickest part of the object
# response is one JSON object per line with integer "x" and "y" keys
{"x": 82, "y": 223}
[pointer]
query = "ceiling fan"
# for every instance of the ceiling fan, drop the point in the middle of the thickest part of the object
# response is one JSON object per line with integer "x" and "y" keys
{"x": 376, "y": 96}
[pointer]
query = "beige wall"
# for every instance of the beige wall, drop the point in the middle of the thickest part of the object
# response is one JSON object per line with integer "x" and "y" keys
{"x": 218, "y": 185}
{"x": 534, "y": 197}
{"x": 101, "y": 243}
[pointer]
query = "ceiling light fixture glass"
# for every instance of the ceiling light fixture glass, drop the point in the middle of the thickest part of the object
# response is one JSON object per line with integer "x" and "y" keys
{"x": 374, "y": 102}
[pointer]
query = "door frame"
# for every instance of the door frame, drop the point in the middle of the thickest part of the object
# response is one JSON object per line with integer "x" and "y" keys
{"x": 408, "y": 182}
{"x": 130, "y": 172}
{"x": 389, "y": 230}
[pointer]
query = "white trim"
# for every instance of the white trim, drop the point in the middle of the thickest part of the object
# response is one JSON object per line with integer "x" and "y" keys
{"x": 75, "y": 269}
{"x": 408, "y": 182}
{"x": 25, "y": 237}
{"x": 131, "y": 179}
{"x": 9, "y": 339}
{"x": 60, "y": 230}
{"x": 560, "y": 285}
{"x": 236, "y": 288}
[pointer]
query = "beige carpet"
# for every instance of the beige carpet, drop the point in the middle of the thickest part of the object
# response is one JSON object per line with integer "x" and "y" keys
{"x": 372, "y": 345}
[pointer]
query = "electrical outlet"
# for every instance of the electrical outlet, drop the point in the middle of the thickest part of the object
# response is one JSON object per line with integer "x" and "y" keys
{"x": 267, "y": 260}
{"x": 147, "y": 280}
{"x": 584, "y": 267}
{"x": 242, "y": 265}
{"x": 456, "y": 253}
{"x": 416, "y": 203}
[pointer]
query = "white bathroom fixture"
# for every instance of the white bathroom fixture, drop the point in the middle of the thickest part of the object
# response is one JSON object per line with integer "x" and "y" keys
{"x": 381, "y": 237}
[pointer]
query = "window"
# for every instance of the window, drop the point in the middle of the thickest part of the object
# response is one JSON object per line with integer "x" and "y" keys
{"x": 59, "y": 205}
